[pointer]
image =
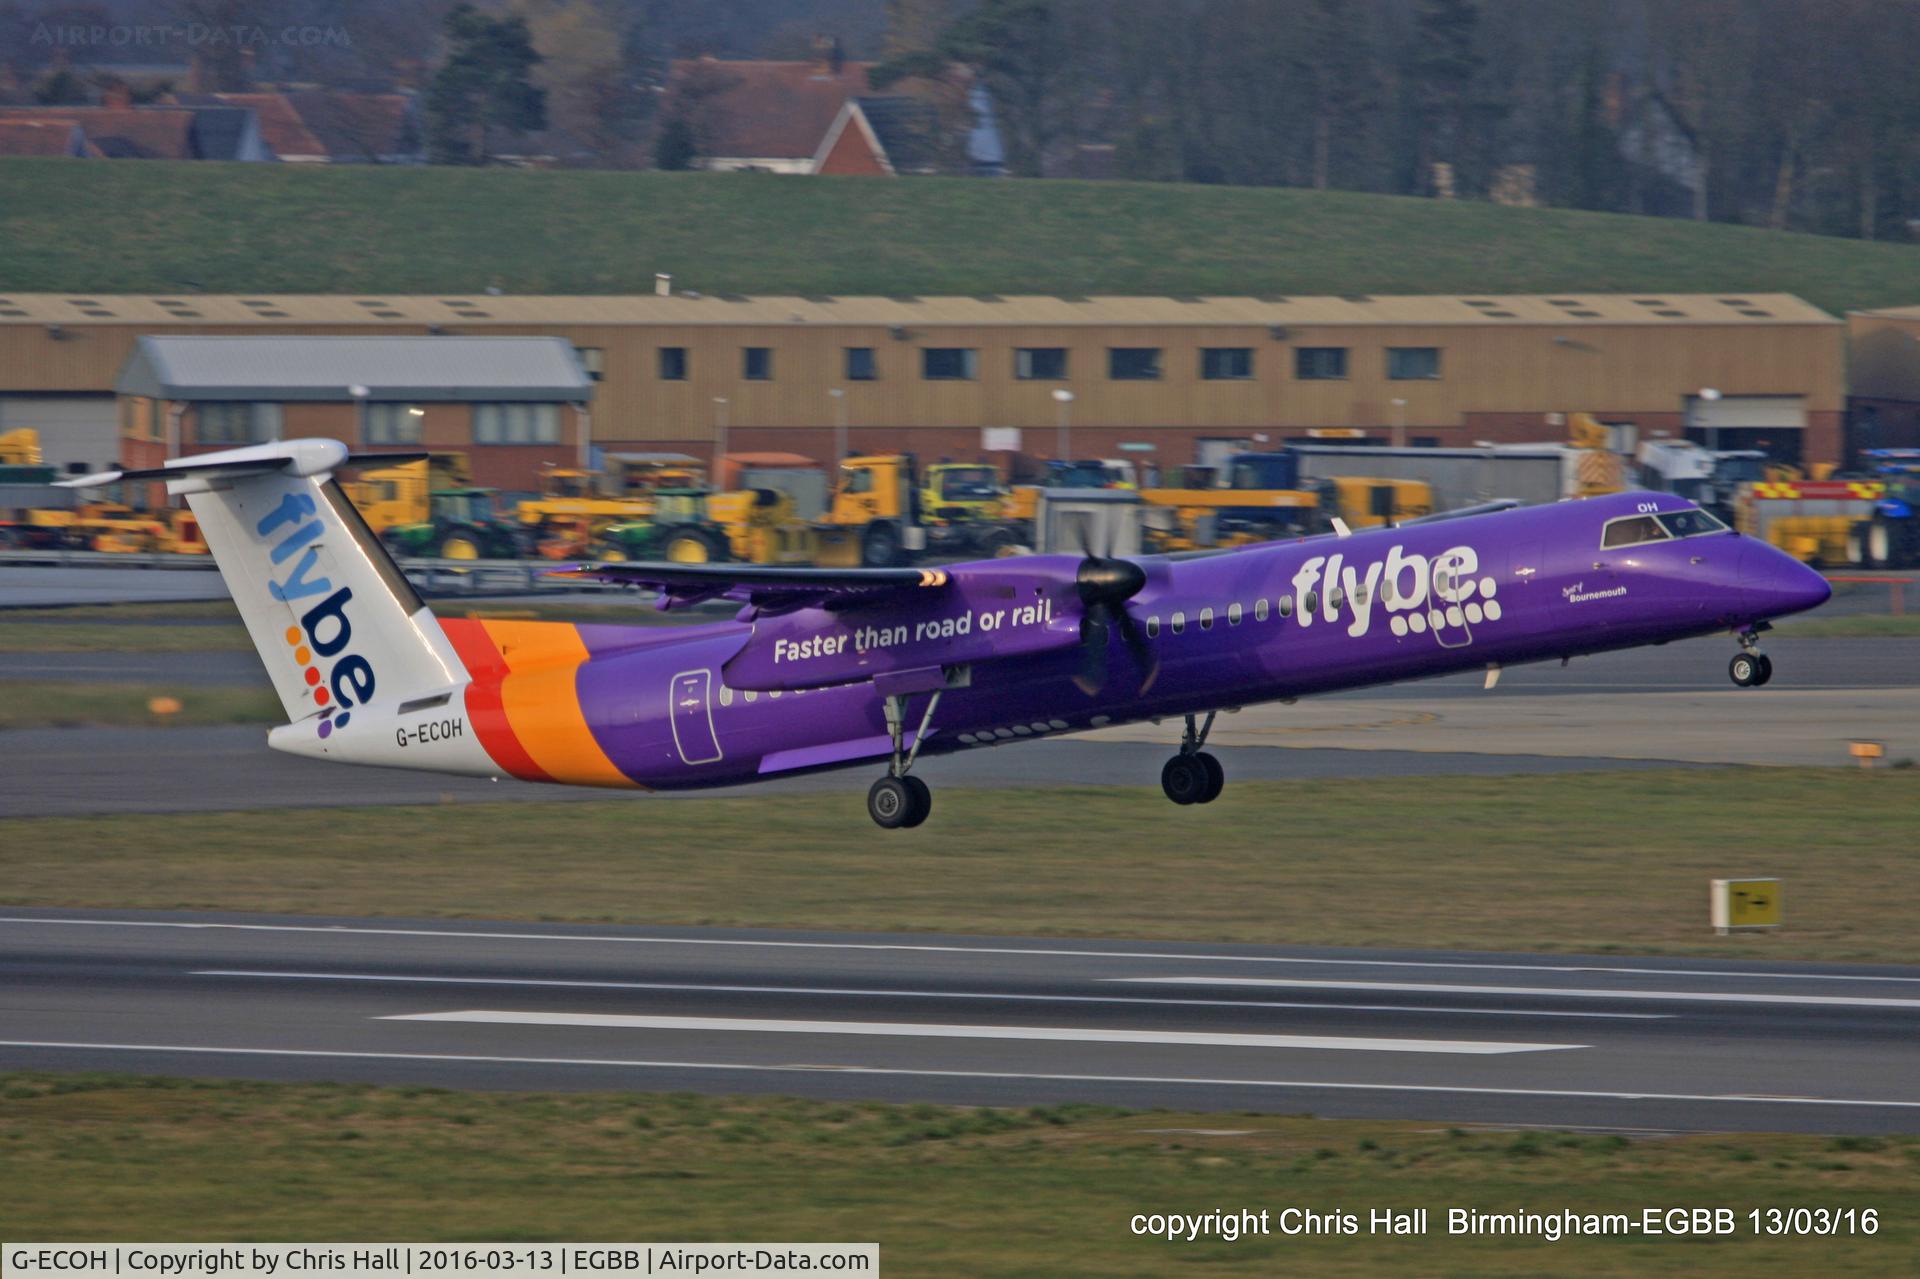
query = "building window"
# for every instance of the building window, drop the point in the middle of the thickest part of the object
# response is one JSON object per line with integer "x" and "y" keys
{"x": 393, "y": 423}
{"x": 232, "y": 422}
{"x": 948, "y": 363}
{"x": 673, "y": 364}
{"x": 1320, "y": 363}
{"x": 593, "y": 359}
{"x": 860, "y": 366}
{"x": 1133, "y": 363}
{"x": 156, "y": 420}
{"x": 756, "y": 363}
{"x": 1040, "y": 363}
{"x": 516, "y": 424}
{"x": 1413, "y": 363}
{"x": 1226, "y": 363}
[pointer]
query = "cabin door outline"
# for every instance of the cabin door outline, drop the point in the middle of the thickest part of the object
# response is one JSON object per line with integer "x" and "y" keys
{"x": 690, "y": 714}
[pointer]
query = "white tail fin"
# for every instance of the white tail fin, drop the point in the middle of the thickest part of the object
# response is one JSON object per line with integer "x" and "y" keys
{"x": 336, "y": 622}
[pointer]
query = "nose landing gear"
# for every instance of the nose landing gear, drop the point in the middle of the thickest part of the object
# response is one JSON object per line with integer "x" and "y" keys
{"x": 1193, "y": 776}
{"x": 900, "y": 801}
{"x": 1750, "y": 668}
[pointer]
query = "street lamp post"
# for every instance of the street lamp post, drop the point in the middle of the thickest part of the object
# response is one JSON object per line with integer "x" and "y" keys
{"x": 1708, "y": 395}
{"x": 359, "y": 394}
{"x": 839, "y": 424}
{"x": 719, "y": 434}
{"x": 1064, "y": 398}
{"x": 1399, "y": 423}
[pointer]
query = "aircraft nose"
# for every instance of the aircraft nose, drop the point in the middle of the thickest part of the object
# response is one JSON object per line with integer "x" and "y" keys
{"x": 1777, "y": 584}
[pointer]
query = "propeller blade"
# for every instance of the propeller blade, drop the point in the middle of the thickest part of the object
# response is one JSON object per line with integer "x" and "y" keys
{"x": 1094, "y": 633}
{"x": 1141, "y": 652}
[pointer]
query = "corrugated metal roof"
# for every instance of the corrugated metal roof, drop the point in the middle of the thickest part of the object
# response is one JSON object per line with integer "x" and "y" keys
{"x": 1892, "y": 313}
{"x": 469, "y": 311}
{"x": 428, "y": 369}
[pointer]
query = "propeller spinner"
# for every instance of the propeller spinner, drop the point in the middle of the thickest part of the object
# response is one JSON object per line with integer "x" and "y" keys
{"x": 1105, "y": 585}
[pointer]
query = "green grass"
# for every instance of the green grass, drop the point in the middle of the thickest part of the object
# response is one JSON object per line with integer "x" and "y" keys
{"x": 1614, "y": 861}
{"x": 948, "y": 1191}
{"x": 60, "y": 704}
{"x": 120, "y": 637}
{"x": 65, "y": 227}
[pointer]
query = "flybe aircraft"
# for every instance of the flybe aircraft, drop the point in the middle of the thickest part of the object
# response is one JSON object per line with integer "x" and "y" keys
{"x": 886, "y": 667}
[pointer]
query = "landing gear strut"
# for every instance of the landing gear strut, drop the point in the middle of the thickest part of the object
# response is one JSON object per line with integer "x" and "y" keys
{"x": 899, "y": 800}
{"x": 1193, "y": 776}
{"x": 1750, "y": 668}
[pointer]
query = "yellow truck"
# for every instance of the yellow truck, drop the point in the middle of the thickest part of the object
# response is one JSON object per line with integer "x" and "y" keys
{"x": 623, "y": 491}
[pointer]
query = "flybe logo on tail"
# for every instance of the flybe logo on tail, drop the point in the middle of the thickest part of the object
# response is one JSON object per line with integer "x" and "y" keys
{"x": 325, "y": 632}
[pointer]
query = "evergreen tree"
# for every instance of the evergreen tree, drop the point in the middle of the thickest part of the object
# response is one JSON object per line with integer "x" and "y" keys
{"x": 675, "y": 148}
{"x": 485, "y": 84}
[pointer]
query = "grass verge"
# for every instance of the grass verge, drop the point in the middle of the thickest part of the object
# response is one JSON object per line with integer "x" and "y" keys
{"x": 1614, "y": 861}
{"x": 38, "y": 704}
{"x": 234, "y": 228}
{"x": 945, "y": 1190}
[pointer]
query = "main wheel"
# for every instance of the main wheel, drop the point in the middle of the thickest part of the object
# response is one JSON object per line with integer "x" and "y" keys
{"x": 1766, "y": 671}
{"x": 1745, "y": 669}
{"x": 922, "y": 801}
{"x": 1216, "y": 778}
{"x": 1185, "y": 780}
{"x": 891, "y": 803}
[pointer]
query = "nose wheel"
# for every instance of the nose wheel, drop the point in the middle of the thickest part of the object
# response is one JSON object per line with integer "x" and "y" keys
{"x": 1193, "y": 776}
{"x": 901, "y": 801}
{"x": 1750, "y": 668}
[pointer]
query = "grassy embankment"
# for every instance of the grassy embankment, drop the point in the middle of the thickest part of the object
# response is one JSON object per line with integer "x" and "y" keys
{"x": 1040, "y": 1192}
{"x": 1614, "y": 861}
{"x": 295, "y": 228}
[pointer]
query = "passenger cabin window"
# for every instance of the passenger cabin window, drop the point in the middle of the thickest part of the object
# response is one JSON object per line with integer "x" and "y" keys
{"x": 1260, "y": 609}
{"x": 1633, "y": 531}
{"x": 1690, "y": 523}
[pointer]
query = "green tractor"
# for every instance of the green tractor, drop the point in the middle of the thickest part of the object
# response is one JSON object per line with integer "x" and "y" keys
{"x": 462, "y": 524}
{"x": 680, "y": 532}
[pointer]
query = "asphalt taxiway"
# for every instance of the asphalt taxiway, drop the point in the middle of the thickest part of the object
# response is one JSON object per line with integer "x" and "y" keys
{"x": 1453, "y": 1037}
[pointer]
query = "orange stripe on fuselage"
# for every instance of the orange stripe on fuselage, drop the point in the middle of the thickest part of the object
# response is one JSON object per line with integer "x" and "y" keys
{"x": 542, "y": 701}
{"x": 487, "y": 668}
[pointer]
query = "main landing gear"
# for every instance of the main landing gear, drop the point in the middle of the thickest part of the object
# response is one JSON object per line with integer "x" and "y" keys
{"x": 1750, "y": 668}
{"x": 1193, "y": 776}
{"x": 899, "y": 800}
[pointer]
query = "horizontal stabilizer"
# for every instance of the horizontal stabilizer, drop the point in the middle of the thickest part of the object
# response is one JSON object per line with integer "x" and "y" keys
{"x": 294, "y": 457}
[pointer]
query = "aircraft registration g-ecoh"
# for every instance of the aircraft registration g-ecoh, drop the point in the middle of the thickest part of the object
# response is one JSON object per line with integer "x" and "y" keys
{"x": 824, "y": 668}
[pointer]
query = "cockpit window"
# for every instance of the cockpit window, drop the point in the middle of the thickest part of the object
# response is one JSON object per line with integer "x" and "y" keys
{"x": 1691, "y": 523}
{"x": 1632, "y": 531}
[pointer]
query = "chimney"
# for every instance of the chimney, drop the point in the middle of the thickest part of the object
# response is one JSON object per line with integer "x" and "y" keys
{"x": 196, "y": 73}
{"x": 662, "y": 284}
{"x": 248, "y": 57}
{"x": 829, "y": 58}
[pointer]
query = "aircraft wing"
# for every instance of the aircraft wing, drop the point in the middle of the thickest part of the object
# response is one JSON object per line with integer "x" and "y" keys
{"x": 776, "y": 589}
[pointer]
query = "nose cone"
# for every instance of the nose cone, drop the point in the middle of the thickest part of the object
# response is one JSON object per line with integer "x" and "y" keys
{"x": 1777, "y": 584}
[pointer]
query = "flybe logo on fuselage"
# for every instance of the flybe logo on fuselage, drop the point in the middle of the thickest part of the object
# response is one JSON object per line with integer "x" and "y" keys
{"x": 324, "y": 631}
{"x": 1414, "y": 592}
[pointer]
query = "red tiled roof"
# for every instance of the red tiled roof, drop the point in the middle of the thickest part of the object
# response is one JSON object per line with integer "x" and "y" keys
{"x": 356, "y": 126}
{"x": 38, "y": 137}
{"x": 124, "y": 132}
{"x": 764, "y": 109}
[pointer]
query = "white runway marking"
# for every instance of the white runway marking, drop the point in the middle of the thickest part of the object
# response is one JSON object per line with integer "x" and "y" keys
{"x": 935, "y": 1030}
{"x": 346, "y": 930}
{"x": 1767, "y": 1099}
{"x": 996, "y": 996}
{"x": 1545, "y": 992}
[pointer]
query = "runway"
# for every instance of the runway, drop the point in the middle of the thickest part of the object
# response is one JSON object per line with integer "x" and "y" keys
{"x": 1447, "y": 1037}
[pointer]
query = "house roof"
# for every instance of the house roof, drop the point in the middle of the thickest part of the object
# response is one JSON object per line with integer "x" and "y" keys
{"x": 758, "y": 109}
{"x": 286, "y": 134}
{"x": 147, "y": 133}
{"x": 218, "y": 132}
{"x": 358, "y": 126}
{"x": 41, "y": 137}
{"x": 430, "y": 369}
{"x": 469, "y": 311}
